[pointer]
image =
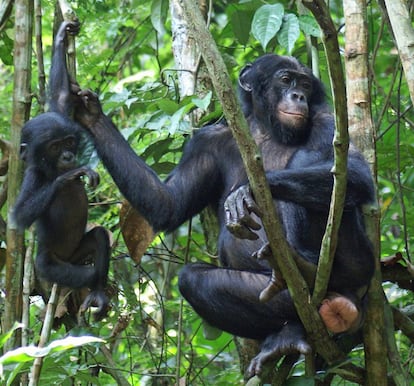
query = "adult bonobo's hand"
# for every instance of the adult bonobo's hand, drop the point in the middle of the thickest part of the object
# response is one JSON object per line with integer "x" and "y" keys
{"x": 88, "y": 109}
{"x": 238, "y": 208}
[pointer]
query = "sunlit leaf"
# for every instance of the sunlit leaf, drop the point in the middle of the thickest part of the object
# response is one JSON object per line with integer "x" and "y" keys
{"x": 289, "y": 32}
{"x": 266, "y": 23}
{"x": 27, "y": 353}
{"x": 6, "y": 336}
{"x": 159, "y": 12}
{"x": 203, "y": 103}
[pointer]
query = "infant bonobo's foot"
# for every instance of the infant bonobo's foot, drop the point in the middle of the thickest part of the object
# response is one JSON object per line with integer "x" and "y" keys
{"x": 96, "y": 298}
{"x": 289, "y": 340}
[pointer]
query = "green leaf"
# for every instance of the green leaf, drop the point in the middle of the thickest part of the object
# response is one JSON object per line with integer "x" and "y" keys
{"x": 266, "y": 23}
{"x": 6, "y": 49}
{"x": 289, "y": 33}
{"x": 309, "y": 26}
{"x": 300, "y": 381}
{"x": 168, "y": 106}
{"x": 204, "y": 102}
{"x": 159, "y": 11}
{"x": 23, "y": 354}
{"x": 6, "y": 336}
{"x": 73, "y": 341}
{"x": 240, "y": 21}
{"x": 27, "y": 353}
{"x": 177, "y": 117}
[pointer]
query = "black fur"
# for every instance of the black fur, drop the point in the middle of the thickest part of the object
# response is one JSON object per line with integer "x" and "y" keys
{"x": 53, "y": 195}
{"x": 291, "y": 123}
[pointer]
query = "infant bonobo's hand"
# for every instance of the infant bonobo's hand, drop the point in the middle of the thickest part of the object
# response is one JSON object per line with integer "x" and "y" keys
{"x": 67, "y": 27}
{"x": 74, "y": 174}
{"x": 238, "y": 208}
{"x": 72, "y": 27}
{"x": 88, "y": 109}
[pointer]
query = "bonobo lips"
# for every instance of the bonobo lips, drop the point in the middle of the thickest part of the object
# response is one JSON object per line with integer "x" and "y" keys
{"x": 295, "y": 114}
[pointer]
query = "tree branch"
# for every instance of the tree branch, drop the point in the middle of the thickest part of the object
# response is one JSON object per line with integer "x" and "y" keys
{"x": 254, "y": 168}
{"x": 341, "y": 142}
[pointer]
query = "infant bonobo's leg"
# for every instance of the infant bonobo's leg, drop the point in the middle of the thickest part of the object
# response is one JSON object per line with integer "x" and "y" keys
{"x": 95, "y": 248}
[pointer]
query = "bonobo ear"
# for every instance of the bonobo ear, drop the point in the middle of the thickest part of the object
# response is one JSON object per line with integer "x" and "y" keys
{"x": 244, "y": 84}
{"x": 23, "y": 151}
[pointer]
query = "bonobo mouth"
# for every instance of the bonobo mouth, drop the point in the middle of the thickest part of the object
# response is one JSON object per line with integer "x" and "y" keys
{"x": 296, "y": 120}
{"x": 66, "y": 166}
{"x": 294, "y": 115}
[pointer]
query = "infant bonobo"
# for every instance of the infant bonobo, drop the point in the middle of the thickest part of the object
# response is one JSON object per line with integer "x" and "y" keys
{"x": 53, "y": 194}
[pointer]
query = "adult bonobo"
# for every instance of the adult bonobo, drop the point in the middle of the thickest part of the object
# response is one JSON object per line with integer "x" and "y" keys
{"x": 289, "y": 119}
{"x": 53, "y": 195}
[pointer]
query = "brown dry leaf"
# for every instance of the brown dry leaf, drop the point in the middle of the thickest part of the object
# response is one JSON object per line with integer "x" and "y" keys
{"x": 136, "y": 231}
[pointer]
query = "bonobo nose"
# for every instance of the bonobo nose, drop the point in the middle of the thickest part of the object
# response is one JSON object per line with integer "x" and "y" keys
{"x": 68, "y": 156}
{"x": 298, "y": 96}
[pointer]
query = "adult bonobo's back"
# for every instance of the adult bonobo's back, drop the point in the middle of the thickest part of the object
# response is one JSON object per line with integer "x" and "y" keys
{"x": 290, "y": 122}
{"x": 53, "y": 195}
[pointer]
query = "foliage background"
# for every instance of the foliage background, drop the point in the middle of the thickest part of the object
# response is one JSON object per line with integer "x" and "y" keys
{"x": 124, "y": 52}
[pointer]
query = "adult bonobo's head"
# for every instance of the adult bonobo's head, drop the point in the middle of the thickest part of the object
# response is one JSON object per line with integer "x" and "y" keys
{"x": 50, "y": 142}
{"x": 281, "y": 95}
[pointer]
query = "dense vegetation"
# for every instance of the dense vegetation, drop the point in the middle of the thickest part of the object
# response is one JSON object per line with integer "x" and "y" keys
{"x": 125, "y": 53}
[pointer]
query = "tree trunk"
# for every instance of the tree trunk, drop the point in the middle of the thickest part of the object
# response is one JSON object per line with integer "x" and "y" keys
{"x": 21, "y": 112}
{"x": 362, "y": 132}
{"x": 401, "y": 20}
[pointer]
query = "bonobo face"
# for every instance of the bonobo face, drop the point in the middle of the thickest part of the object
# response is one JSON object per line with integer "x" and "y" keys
{"x": 62, "y": 153}
{"x": 50, "y": 142}
{"x": 278, "y": 93}
{"x": 291, "y": 89}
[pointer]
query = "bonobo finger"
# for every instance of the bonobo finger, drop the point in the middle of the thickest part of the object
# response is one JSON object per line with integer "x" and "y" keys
{"x": 251, "y": 204}
{"x": 73, "y": 27}
{"x": 263, "y": 253}
{"x": 234, "y": 226}
{"x": 244, "y": 214}
{"x": 74, "y": 87}
{"x": 241, "y": 231}
{"x": 91, "y": 101}
{"x": 93, "y": 178}
{"x": 289, "y": 340}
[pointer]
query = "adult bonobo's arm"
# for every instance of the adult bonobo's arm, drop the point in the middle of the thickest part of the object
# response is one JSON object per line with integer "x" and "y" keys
{"x": 310, "y": 187}
{"x": 187, "y": 190}
{"x": 59, "y": 83}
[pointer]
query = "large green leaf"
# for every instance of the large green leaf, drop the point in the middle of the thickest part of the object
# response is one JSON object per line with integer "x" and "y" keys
{"x": 240, "y": 21}
{"x": 309, "y": 26}
{"x": 289, "y": 32}
{"x": 159, "y": 12}
{"x": 27, "y": 353}
{"x": 266, "y": 23}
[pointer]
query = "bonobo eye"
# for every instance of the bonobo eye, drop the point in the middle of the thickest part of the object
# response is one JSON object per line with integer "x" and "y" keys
{"x": 54, "y": 148}
{"x": 306, "y": 85}
{"x": 285, "y": 79}
{"x": 70, "y": 142}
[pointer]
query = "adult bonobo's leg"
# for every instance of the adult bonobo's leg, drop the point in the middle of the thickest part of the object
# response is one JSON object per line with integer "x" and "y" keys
{"x": 229, "y": 299}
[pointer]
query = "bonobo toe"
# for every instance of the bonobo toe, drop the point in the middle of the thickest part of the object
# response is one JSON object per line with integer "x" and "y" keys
{"x": 289, "y": 340}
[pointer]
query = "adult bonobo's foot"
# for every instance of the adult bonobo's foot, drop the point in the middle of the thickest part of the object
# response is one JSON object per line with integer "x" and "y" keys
{"x": 290, "y": 339}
